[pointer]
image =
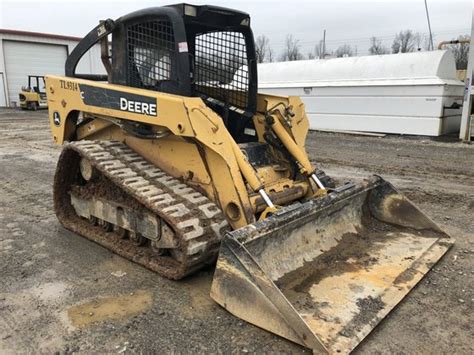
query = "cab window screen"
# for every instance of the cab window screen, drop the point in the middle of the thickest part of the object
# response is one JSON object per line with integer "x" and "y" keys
{"x": 221, "y": 70}
{"x": 151, "y": 54}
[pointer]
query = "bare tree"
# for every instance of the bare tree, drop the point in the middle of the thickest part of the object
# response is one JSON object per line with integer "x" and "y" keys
{"x": 292, "y": 49}
{"x": 422, "y": 41}
{"x": 461, "y": 52}
{"x": 344, "y": 51}
{"x": 263, "y": 50}
{"x": 317, "y": 52}
{"x": 271, "y": 55}
{"x": 376, "y": 47}
{"x": 405, "y": 41}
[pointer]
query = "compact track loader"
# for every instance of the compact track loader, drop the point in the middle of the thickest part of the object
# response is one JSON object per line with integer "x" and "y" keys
{"x": 173, "y": 160}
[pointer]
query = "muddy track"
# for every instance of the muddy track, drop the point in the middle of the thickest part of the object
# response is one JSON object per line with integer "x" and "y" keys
{"x": 198, "y": 223}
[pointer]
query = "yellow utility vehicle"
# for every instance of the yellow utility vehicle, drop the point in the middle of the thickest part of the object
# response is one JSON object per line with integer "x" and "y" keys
{"x": 33, "y": 97}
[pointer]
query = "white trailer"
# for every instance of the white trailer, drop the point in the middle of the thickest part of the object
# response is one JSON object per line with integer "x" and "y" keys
{"x": 410, "y": 93}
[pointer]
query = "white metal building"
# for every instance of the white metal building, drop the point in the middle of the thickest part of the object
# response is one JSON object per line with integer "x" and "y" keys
{"x": 411, "y": 93}
{"x": 31, "y": 53}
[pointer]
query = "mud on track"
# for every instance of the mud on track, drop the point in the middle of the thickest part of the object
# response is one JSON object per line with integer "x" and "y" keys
{"x": 51, "y": 279}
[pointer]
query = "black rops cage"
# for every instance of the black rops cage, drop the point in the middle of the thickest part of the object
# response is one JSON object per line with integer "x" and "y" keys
{"x": 187, "y": 50}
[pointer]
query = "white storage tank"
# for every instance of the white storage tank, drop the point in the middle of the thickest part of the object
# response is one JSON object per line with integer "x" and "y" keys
{"x": 410, "y": 93}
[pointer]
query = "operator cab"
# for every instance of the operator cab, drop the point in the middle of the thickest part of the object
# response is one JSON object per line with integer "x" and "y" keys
{"x": 204, "y": 51}
{"x": 35, "y": 84}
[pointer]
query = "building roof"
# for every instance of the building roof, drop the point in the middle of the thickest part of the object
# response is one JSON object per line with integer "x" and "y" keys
{"x": 38, "y": 34}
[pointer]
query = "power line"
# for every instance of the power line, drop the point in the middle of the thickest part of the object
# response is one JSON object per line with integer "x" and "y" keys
{"x": 367, "y": 39}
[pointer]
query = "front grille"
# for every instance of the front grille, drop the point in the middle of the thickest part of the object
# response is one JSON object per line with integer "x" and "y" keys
{"x": 221, "y": 70}
{"x": 151, "y": 54}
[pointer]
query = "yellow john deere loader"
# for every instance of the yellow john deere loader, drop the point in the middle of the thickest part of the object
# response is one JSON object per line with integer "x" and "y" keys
{"x": 173, "y": 160}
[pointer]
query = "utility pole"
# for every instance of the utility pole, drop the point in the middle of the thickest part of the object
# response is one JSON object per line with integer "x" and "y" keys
{"x": 324, "y": 44}
{"x": 429, "y": 25}
{"x": 465, "y": 128}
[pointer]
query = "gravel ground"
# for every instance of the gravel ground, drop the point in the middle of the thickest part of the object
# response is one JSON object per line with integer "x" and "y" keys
{"x": 62, "y": 293}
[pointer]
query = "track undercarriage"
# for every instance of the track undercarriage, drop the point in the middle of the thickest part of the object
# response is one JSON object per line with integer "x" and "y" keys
{"x": 109, "y": 194}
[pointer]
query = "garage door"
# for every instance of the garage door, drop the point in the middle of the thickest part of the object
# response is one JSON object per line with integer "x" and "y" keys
{"x": 3, "y": 94}
{"x": 25, "y": 58}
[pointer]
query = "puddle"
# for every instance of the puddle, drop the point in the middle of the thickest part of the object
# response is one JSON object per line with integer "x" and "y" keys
{"x": 110, "y": 308}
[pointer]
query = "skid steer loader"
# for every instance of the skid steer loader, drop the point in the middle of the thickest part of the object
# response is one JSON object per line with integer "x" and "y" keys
{"x": 173, "y": 160}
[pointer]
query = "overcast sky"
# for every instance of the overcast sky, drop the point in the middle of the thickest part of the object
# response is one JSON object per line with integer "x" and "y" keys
{"x": 346, "y": 21}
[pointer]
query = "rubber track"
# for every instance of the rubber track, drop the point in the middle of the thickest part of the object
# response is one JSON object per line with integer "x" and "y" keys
{"x": 198, "y": 223}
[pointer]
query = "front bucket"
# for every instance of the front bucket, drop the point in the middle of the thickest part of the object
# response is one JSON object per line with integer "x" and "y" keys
{"x": 324, "y": 273}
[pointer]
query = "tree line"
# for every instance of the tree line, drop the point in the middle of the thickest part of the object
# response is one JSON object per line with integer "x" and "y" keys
{"x": 404, "y": 42}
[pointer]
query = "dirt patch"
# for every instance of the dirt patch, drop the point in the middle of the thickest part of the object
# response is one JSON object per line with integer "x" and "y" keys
{"x": 331, "y": 263}
{"x": 353, "y": 252}
{"x": 110, "y": 308}
{"x": 369, "y": 307}
{"x": 198, "y": 288}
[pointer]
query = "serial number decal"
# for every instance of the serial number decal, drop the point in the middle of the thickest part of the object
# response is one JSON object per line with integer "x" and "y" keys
{"x": 118, "y": 100}
{"x": 69, "y": 85}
